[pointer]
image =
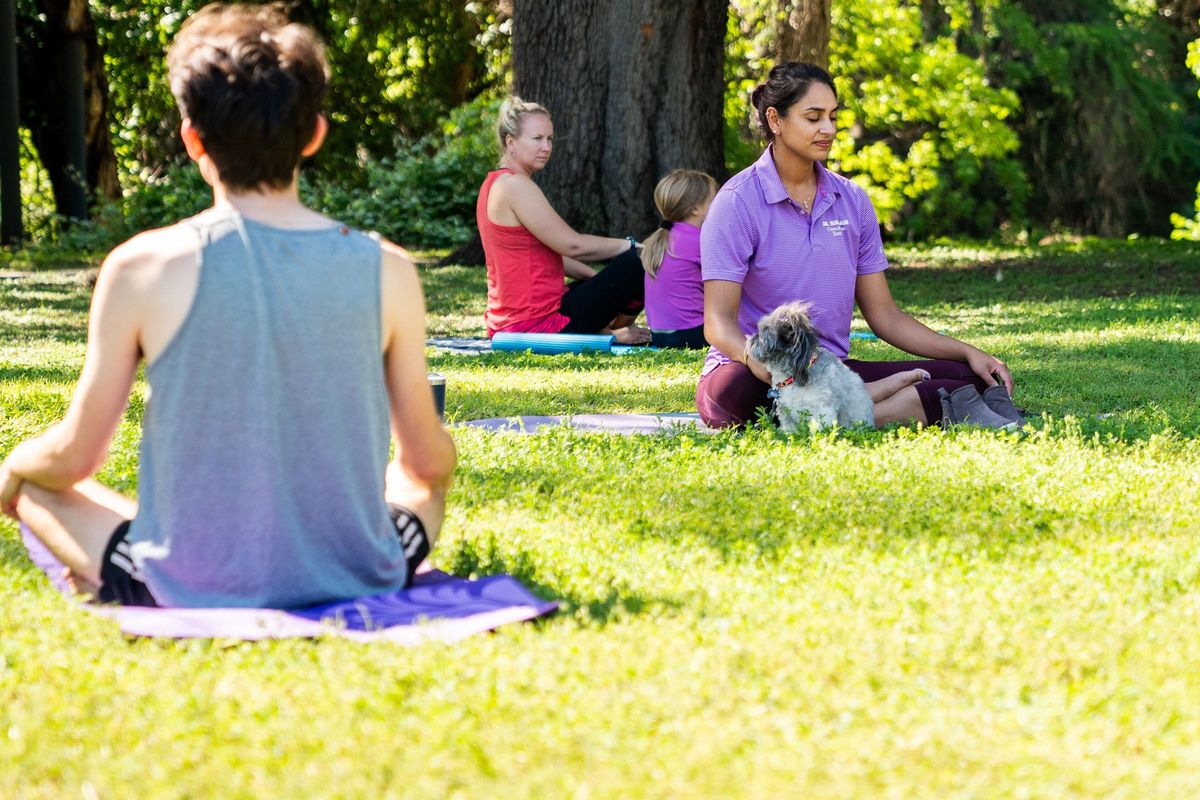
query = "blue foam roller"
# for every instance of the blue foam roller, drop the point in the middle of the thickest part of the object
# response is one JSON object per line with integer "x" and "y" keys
{"x": 551, "y": 343}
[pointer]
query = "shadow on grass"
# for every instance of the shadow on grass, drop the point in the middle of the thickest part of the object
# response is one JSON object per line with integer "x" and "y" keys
{"x": 32, "y": 309}
{"x": 69, "y": 294}
{"x": 42, "y": 331}
{"x": 64, "y": 374}
{"x": 486, "y": 558}
{"x": 1069, "y": 316}
{"x": 1022, "y": 281}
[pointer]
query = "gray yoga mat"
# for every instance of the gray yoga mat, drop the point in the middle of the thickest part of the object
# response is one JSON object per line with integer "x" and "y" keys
{"x": 625, "y": 424}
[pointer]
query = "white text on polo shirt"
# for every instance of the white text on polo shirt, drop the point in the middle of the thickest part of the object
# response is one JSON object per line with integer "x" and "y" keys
{"x": 835, "y": 226}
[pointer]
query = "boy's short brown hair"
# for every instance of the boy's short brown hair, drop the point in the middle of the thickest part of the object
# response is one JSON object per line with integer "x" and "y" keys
{"x": 252, "y": 85}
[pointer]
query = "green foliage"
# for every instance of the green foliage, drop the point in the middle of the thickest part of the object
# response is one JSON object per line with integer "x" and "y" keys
{"x": 168, "y": 198}
{"x": 927, "y": 134}
{"x": 144, "y": 119}
{"x": 749, "y": 38}
{"x": 426, "y": 195}
{"x": 978, "y": 118}
{"x": 1190, "y": 228}
{"x": 1109, "y": 132}
{"x": 922, "y": 128}
{"x": 996, "y": 116}
{"x": 397, "y": 69}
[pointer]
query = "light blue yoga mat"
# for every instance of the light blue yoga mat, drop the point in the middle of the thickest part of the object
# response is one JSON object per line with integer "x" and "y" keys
{"x": 551, "y": 343}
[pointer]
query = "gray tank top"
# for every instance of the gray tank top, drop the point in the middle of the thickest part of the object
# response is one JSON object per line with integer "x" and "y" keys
{"x": 265, "y": 437}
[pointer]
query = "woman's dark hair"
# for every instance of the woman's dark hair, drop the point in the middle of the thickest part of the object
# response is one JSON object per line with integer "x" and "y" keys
{"x": 788, "y": 82}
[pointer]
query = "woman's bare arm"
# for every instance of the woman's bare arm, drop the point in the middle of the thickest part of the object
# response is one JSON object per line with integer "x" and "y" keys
{"x": 520, "y": 196}
{"x": 899, "y": 329}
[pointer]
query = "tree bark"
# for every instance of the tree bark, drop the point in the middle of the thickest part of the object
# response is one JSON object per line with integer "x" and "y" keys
{"x": 635, "y": 88}
{"x": 803, "y": 31}
{"x": 468, "y": 255}
{"x": 12, "y": 230}
{"x": 1182, "y": 14}
{"x": 64, "y": 103}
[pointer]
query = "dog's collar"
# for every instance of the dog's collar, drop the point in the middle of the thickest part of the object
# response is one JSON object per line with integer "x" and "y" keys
{"x": 790, "y": 379}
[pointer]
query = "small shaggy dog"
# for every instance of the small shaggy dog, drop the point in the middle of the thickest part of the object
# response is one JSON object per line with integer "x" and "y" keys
{"x": 810, "y": 380}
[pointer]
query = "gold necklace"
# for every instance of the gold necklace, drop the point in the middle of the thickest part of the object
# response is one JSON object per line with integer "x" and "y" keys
{"x": 806, "y": 205}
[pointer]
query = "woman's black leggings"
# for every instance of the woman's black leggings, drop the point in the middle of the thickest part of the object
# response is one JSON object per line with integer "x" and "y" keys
{"x": 688, "y": 337}
{"x": 617, "y": 289}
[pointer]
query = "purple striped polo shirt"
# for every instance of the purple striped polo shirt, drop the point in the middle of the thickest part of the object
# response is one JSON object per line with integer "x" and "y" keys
{"x": 756, "y": 235}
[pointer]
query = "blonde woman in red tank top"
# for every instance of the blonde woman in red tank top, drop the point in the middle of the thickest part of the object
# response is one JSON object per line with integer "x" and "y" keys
{"x": 530, "y": 251}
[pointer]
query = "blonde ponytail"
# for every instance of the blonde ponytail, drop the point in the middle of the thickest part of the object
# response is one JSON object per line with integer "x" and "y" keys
{"x": 676, "y": 196}
{"x": 654, "y": 247}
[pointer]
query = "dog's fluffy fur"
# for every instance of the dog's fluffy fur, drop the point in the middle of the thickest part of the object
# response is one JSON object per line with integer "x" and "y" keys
{"x": 823, "y": 389}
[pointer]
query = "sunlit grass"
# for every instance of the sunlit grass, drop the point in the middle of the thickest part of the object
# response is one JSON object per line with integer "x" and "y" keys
{"x": 906, "y": 613}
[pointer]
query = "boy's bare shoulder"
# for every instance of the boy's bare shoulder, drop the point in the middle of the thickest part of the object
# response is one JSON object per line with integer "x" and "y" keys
{"x": 397, "y": 263}
{"x": 151, "y": 254}
{"x": 395, "y": 254}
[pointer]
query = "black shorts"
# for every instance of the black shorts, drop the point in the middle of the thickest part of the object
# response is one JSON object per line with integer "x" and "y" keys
{"x": 120, "y": 580}
{"x": 121, "y": 583}
{"x": 413, "y": 539}
{"x": 687, "y": 337}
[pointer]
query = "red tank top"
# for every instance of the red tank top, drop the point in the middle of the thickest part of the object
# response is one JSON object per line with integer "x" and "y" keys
{"x": 525, "y": 278}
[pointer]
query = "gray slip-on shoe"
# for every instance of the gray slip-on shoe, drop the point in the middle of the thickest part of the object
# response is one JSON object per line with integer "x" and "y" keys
{"x": 964, "y": 406}
{"x": 998, "y": 399}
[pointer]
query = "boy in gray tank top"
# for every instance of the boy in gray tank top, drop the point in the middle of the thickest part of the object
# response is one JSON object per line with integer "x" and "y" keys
{"x": 283, "y": 351}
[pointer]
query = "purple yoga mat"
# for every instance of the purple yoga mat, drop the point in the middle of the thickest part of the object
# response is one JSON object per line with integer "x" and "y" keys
{"x": 613, "y": 423}
{"x": 436, "y": 606}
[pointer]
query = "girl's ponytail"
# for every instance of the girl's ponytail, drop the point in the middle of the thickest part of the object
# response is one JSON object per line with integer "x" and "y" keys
{"x": 654, "y": 247}
{"x": 676, "y": 196}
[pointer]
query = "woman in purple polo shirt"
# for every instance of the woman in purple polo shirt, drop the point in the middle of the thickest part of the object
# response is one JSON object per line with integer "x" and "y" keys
{"x": 786, "y": 228}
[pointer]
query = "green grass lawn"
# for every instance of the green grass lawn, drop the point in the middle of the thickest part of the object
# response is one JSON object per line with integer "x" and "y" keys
{"x": 903, "y": 613}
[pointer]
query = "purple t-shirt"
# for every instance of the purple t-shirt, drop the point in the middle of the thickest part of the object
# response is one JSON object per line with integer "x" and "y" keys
{"x": 675, "y": 295}
{"x": 756, "y": 235}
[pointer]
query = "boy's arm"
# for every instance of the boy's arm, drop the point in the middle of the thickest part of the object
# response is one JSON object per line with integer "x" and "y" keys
{"x": 424, "y": 451}
{"x": 75, "y": 447}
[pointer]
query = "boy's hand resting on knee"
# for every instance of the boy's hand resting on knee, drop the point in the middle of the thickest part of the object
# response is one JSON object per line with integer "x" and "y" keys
{"x": 10, "y": 484}
{"x": 631, "y": 334}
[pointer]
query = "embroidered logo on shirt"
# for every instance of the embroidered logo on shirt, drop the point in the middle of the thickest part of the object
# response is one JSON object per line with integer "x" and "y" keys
{"x": 835, "y": 226}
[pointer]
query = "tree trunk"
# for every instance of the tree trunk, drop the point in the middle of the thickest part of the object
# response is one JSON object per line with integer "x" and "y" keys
{"x": 12, "y": 230}
{"x": 468, "y": 255}
{"x": 102, "y": 176}
{"x": 635, "y": 88}
{"x": 64, "y": 104}
{"x": 1182, "y": 14}
{"x": 803, "y": 31}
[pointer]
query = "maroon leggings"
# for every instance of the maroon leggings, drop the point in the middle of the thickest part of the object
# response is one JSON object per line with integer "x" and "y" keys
{"x": 730, "y": 395}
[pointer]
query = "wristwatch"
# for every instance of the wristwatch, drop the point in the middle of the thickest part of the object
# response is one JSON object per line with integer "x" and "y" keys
{"x": 632, "y": 242}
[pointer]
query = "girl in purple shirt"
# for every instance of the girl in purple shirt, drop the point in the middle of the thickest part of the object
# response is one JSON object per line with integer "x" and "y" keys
{"x": 786, "y": 228}
{"x": 671, "y": 258}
